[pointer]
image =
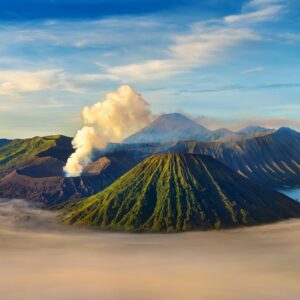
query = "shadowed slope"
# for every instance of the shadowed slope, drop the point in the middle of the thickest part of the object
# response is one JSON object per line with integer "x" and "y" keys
{"x": 4, "y": 142}
{"x": 272, "y": 160}
{"x": 179, "y": 192}
{"x": 42, "y": 179}
{"x": 19, "y": 152}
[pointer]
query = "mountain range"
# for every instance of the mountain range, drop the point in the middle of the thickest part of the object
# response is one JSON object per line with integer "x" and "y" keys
{"x": 33, "y": 168}
{"x": 175, "y": 127}
{"x": 180, "y": 192}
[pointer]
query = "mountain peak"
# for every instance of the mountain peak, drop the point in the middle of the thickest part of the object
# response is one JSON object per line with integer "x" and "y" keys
{"x": 284, "y": 131}
{"x": 253, "y": 129}
{"x": 173, "y": 116}
{"x": 179, "y": 192}
{"x": 170, "y": 128}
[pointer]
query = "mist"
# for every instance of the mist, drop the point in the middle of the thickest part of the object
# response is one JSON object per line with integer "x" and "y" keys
{"x": 41, "y": 259}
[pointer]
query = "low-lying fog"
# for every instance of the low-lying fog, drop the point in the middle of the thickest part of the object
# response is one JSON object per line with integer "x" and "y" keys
{"x": 42, "y": 260}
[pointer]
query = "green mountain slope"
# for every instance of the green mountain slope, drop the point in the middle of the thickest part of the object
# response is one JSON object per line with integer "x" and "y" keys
{"x": 179, "y": 192}
{"x": 19, "y": 152}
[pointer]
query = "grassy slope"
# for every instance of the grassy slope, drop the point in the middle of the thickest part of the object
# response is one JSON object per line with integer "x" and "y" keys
{"x": 175, "y": 192}
{"x": 17, "y": 152}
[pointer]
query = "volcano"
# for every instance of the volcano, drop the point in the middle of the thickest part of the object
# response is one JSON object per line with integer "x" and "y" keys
{"x": 181, "y": 192}
{"x": 170, "y": 128}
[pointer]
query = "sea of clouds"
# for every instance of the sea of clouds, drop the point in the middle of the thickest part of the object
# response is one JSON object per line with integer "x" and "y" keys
{"x": 41, "y": 259}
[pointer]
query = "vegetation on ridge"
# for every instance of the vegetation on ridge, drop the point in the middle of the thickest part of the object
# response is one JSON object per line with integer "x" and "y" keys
{"x": 180, "y": 192}
{"x": 19, "y": 151}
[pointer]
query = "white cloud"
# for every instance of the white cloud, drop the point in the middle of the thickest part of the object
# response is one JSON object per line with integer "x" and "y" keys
{"x": 18, "y": 82}
{"x": 253, "y": 70}
{"x": 202, "y": 46}
{"x": 13, "y": 82}
{"x": 81, "y": 34}
{"x": 261, "y": 15}
{"x": 168, "y": 55}
{"x": 260, "y": 3}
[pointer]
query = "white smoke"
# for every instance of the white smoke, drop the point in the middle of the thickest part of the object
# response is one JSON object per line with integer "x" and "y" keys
{"x": 120, "y": 114}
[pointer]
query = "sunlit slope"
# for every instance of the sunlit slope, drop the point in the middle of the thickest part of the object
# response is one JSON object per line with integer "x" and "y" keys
{"x": 179, "y": 192}
{"x": 18, "y": 152}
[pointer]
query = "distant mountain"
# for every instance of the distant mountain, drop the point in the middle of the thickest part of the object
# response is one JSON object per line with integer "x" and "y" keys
{"x": 271, "y": 159}
{"x": 253, "y": 130}
{"x": 170, "y": 128}
{"x": 222, "y": 133}
{"x": 4, "y": 142}
{"x": 286, "y": 132}
{"x": 180, "y": 192}
{"x": 176, "y": 127}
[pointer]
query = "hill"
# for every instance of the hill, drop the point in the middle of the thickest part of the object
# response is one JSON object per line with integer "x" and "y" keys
{"x": 253, "y": 130}
{"x": 180, "y": 192}
{"x": 4, "y": 142}
{"x": 222, "y": 133}
{"x": 32, "y": 169}
{"x": 42, "y": 179}
{"x": 170, "y": 128}
{"x": 21, "y": 151}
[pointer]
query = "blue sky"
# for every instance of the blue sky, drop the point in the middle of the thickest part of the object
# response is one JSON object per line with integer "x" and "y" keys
{"x": 226, "y": 62}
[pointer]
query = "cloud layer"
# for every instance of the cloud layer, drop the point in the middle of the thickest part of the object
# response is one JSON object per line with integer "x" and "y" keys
{"x": 48, "y": 262}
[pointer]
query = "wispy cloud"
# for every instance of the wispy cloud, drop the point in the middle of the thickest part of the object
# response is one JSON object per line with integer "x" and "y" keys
{"x": 257, "y": 11}
{"x": 253, "y": 70}
{"x": 246, "y": 120}
{"x": 290, "y": 37}
{"x": 204, "y": 44}
{"x": 18, "y": 82}
{"x": 80, "y": 34}
{"x": 14, "y": 82}
{"x": 242, "y": 87}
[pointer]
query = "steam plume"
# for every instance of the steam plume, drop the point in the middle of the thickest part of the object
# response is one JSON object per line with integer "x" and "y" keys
{"x": 121, "y": 113}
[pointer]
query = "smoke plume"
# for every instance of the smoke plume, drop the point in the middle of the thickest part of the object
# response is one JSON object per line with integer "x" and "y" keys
{"x": 120, "y": 114}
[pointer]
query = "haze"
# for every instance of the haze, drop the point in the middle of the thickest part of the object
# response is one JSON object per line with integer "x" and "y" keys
{"x": 42, "y": 260}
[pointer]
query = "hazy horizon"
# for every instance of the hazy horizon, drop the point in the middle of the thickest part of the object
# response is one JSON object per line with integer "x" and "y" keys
{"x": 200, "y": 120}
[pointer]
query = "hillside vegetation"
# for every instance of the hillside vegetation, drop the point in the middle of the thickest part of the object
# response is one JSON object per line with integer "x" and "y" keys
{"x": 180, "y": 192}
{"x": 18, "y": 152}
